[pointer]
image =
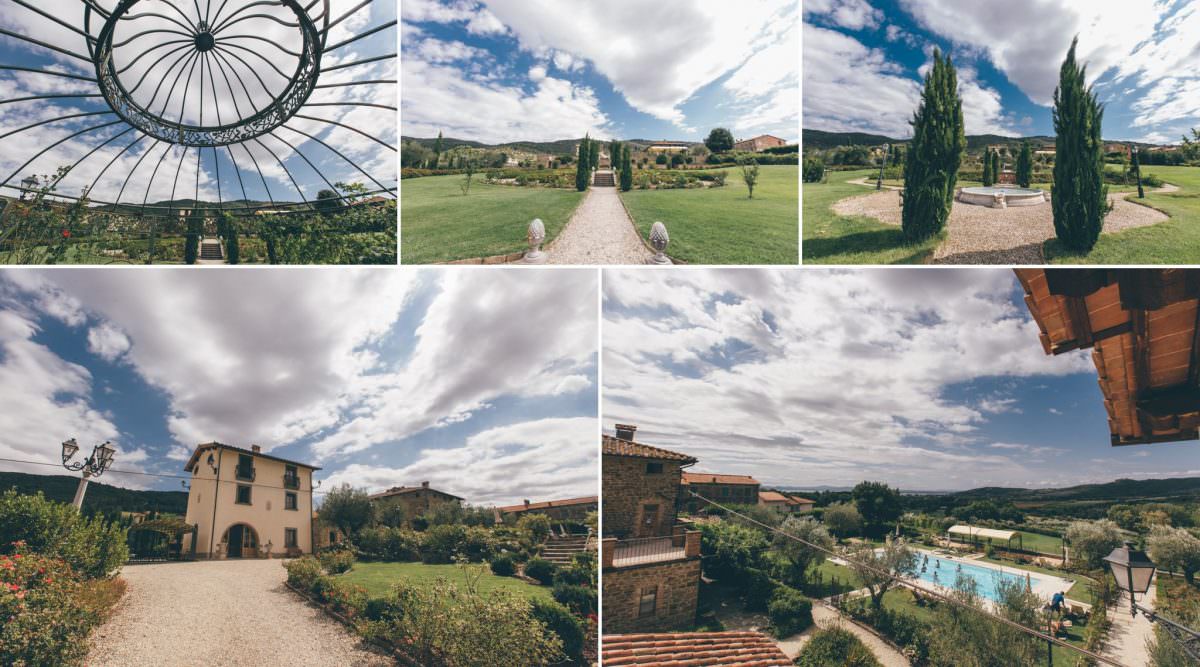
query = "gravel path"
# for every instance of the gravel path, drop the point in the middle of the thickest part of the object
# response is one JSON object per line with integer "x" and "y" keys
{"x": 221, "y": 613}
{"x": 983, "y": 235}
{"x": 599, "y": 232}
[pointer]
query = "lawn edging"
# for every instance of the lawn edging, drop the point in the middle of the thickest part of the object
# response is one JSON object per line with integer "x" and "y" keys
{"x": 512, "y": 257}
{"x": 638, "y": 234}
{"x": 384, "y": 646}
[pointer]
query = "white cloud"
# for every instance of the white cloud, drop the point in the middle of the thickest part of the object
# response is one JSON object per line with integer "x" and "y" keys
{"x": 891, "y": 342}
{"x": 537, "y": 73}
{"x": 851, "y": 14}
{"x": 552, "y": 458}
{"x": 107, "y": 341}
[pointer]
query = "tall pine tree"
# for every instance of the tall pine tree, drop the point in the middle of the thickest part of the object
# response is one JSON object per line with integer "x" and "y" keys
{"x": 1137, "y": 171}
{"x": 934, "y": 154}
{"x": 626, "y": 170}
{"x": 995, "y": 167}
{"x": 1025, "y": 165}
{"x": 1079, "y": 197}
{"x": 582, "y": 166}
{"x": 437, "y": 150}
{"x": 987, "y": 168}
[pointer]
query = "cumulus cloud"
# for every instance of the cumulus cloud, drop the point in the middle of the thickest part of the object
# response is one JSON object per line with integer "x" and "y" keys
{"x": 107, "y": 341}
{"x": 825, "y": 377}
{"x": 851, "y": 14}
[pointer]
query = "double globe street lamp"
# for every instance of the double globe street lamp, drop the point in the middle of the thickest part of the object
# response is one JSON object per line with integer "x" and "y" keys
{"x": 93, "y": 466}
{"x": 1134, "y": 572}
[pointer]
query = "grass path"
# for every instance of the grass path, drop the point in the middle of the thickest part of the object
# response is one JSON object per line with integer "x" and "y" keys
{"x": 438, "y": 223}
{"x": 722, "y": 225}
{"x": 835, "y": 239}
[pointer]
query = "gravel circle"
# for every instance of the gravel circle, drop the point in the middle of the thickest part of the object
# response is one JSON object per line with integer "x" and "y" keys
{"x": 983, "y": 235}
{"x": 231, "y": 612}
{"x": 599, "y": 232}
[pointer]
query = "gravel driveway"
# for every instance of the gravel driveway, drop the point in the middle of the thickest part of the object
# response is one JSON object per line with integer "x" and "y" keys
{"x": 599, "y": 232}
{"x": 983, "y": 235}
{"x": 221, "y": 613}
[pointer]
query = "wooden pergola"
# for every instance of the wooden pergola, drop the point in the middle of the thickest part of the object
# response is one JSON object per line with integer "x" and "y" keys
{"x": 1142, "y": 326}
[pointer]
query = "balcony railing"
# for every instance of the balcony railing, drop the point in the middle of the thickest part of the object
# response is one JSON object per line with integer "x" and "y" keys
{"x": 246, "y": 474}
{"x": 291, "y": 481}
{"x": 649, "y": 550}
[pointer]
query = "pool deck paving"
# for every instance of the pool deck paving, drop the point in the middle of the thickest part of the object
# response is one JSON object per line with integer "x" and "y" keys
{"x": 983, "y": 235}
{"x": 599, "y": 232}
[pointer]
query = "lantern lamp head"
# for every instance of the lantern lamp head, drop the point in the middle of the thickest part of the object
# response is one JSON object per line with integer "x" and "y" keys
{"x": 69, "y": 448}
{"x": 1132, "y": 568}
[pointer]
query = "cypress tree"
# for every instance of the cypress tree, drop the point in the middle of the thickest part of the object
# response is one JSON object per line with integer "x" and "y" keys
{"x": 934, "y": 154}
{"x": 1025, "y": 166}
{"x": 1137, "y": 171}
{"x": 987, "y": 168}
{"x": 626, "y": 170}
{"x": 594, "y": 154}
{"x": 437, "y": 150}
{"x": 995, "y": 167}
{"x": 581, "y": 166}
{"x": 191, "y": 243}
{"x": 1078, "y": 196}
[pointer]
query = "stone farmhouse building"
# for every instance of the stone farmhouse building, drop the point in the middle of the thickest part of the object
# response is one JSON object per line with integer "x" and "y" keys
{"x": 570, "y": 509}
{"x": 668, "y": 147}
{"x": 247, "y": 504}
{"x": 724, "y": 489}
{"x": 759, "y": 143}
{"x": 784, "y": 503}
{"x": 650, "y": 562}
{"x": 416, "y": 500}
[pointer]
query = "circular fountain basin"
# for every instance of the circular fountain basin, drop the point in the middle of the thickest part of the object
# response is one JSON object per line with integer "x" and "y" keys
{"x": 1002, "y": 197}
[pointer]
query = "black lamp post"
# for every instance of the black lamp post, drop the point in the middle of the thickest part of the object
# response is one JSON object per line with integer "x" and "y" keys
{"x": 93, "y": 466}
{"x": 887, "y": 150}
{"x": 1134, "y": 571}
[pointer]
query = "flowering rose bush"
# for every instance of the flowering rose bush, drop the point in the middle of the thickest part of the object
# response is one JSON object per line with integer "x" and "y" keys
{"x": 42, "y": 620}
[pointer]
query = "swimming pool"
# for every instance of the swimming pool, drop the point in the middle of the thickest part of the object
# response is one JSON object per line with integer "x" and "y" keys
{"x": 944, "y": 572}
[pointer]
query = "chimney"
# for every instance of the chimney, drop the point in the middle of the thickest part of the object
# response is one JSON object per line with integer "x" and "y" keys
{"x": 424, "y": 485}
{"x": 255, "y": 448}
{"x": 626, "y": 431}
{"x": 527, "y": 502}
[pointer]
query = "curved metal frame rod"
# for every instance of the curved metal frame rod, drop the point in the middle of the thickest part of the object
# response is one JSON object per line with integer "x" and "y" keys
{"x": 188, "y": 59}
{"x": 221, "y": 62}
{"x": 358, "y": 62}
{"x": 284, "y": 167}
{"x": 132, "y": 169}
{"x": 186, "y": 43}
{"x": 220, "y": 49}
{"x": 258, "y": 3}
{"x": 336, "y": 152}
{"x": 46, "y": 71}
{"x": 113, "y": 160}
{"x": 151, "y": 32}
{"x": 49, "y": 97}
{"x": 153, "y": 175}
{"x": 349, "y": 104}
{"x": 89, "y": 153}
{"x": 355, "y": 38}
{"x": 260, "y": 174}
{"x": 355, "y": 83}
{"x": 53, "y": 120}
{"x": 226, "y": 38}
{"x": 131, "y": 17}
{"x": 350, "y": 11}
{"x": 151, "y": 69}
{"x": 235, "y": 209}
{"x": 304, "y": 157}
{"x": 227, "y": 45}
{"x": 57, "y": 20}
{"x": 257, "y": 16}
{"x": 17, "y": 35}
{"x": 348, "y": 127}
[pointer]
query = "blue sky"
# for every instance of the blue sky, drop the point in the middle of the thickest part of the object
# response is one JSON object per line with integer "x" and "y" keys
{"x": 925, "y": 379}
{"x": 864, "y": 60}
{"x": 216, "y": 169}
{"x": 382, "y": 378}
{"x": 510, "y": 70}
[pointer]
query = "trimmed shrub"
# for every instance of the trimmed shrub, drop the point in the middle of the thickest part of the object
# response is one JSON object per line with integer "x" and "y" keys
{"x": 337, "y": 562}
{"x": 540, "y": 569}
{"x": 91, "y": 547}
{"x": 303, "y": 572}
{"x": 386, "y": 608}
{"x": 572, "y": 576}
{"x": 760, "y": 589}
{"x": 503, "y": 566}
{"x": 835, "y": 646}
{"x": 814, "y": 170}
{"x": 350, "y": 600}
{"x": 388, "y": 544}
{"x": 441, "y": 543}
{"x": 477, "y": 544}
{"x": 783, "y": 150}
{"x": 536, "y": 526}
{"x": 790, "y": 611}
{"x": 579, "y": 599}
{"x": 559, "y": 620}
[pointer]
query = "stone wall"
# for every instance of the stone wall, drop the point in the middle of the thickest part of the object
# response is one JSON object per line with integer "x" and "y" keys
{"x": 678, "y": 591}
{"x": 628, "y": 488}
{"x": 735, "y": 494}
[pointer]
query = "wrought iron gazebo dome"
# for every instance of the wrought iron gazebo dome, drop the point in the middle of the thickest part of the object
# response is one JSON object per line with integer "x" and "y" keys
{"x": 210, "y": 79}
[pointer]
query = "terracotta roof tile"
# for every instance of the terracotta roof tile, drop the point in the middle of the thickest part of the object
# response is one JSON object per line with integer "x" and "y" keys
{"x": 711, "y": 478}
{"x": 401, "y": 490}
{"x": 617, "y": 447}
{"x": 776, "y": 497}
{"x": 692, "y": 649}
{"x": 589, "y": 500}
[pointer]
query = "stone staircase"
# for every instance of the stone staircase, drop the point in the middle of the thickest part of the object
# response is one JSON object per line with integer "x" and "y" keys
{"x": 603, "y": 179}
{"x": 560, "y": 550}
{"x": 210, "y": 249}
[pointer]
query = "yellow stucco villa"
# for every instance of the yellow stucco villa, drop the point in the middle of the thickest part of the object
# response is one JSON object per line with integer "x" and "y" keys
{"x": 247, "y": 504}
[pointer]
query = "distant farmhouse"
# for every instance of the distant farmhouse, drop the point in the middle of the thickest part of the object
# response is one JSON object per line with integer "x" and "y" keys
{"x": 735, "y": 489}
{"x": 668, "y": 147}
{"x": 416, "y": 500}
{"x": 247, "y": 504}
{"x": 570, "y": 509}
{"x": 759, "y": 143}
{"x": 784, "y": 503}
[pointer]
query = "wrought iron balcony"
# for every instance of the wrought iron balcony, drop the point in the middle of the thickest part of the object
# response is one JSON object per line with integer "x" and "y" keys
{"x": 649, "y": 550}
{"x": 245, "y": 474}
{"x": 291, "y": 481}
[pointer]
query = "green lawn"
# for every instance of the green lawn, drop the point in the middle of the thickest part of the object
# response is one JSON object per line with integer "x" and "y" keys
{"x": 438, "y": 223}
{"x": 835, "y": 239}
{"x": 722, "y": 225}
{"x": 1175, "y": 241}
{"x": 378, "y": 578}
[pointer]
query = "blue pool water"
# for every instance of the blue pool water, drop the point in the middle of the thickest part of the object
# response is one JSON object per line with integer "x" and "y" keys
{"x": 944, "y": 572}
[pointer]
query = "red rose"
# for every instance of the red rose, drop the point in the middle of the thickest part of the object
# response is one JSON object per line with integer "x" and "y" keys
{"x": 66, "y": 233}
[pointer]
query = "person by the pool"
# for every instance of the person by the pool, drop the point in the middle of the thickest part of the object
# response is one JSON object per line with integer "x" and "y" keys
{"x": 1057, "y": 601}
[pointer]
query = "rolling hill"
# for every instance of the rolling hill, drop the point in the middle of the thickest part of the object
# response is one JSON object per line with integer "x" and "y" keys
{"x": 101, "y": 498}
